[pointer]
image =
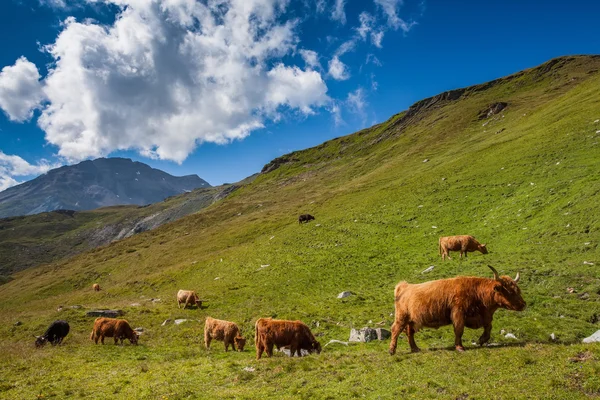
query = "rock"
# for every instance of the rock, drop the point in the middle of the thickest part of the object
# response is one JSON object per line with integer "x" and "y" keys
{"x": 429, "y": 269}
{"x": 433, "y": 227}
{"x": 139, "y": 330}
{"x": 588, "y": 263}
{"x": 510, "y": 336}
{"x": 248, "y": 369}
{"x": 363, "y": 335}
{"x": 493, "y": 109}
{"x": 272, "y": 237}
{"x": 217, "y": 278}
{"x": 167, "y": 321}
{"x": 595, "y": 338}
{"x": 59, "y": 309}
{"x": 18, "y": 323}
{"x": 135, "y": 304}
{"x": 318, "y": 225}
{"x": 265, "y": 265}
{"x": 383, "y": 334}
{"x": 336, "y": 341}
{"x": 571, "y": 290}
{"x": 443, "y": 179}
{"x": 426, "y": 160}
{"x": 286, "y": 350}
{"x": 105, "y": 313}
{"x": 344, "y": 295}
{"x": 155, "y": 300}
{"x": 180, "y": 321}
{"x": 76, "y": 307}
{"x": 596, "y": 121}
{"x": 502, "y": 331}
{"x": 584, "y": 296}
{"x": 553, "y": 337}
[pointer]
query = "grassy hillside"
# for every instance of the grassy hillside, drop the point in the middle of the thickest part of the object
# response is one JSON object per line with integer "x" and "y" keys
{"x": 525, "y": 181}
{"x": 30, "y": 240}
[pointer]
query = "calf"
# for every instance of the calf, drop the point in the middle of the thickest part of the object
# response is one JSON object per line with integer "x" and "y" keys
{"x": 118, "y": 329}
{"x": 462, "y": 243}
{"x": 55, "y": 334}
{"x": 96, "y": 287}
{"x": 295, "y": 334}
{"x": 225, "y": 331}
{"x": 461, "y": 301}
{"x": 188, "y": 297}
{"x": 305, "y": 218}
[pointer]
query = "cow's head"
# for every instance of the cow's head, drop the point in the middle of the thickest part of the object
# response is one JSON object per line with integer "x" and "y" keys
{"x": 506, "y": 292}
{"x": 316, "y": 347}
{"x": 134, "y": 337}
{"x": 240, "y": 342}
{"x": 198, "y": 301}
{"x": 40, "y": 340}
{"x": 482, "y": 248}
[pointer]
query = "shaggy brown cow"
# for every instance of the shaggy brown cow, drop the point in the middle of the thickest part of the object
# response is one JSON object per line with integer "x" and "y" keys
{"x": 272, "y": 332}
{"x": 188, "y": 297}
{"x": 225, "y": 331}
{"x": 461, "y": 301}
{"x": 305, "y": 218}
{"x": 462, "y": 243}
{"x": 96, "y": 287}
{"x": 111, "y": 327}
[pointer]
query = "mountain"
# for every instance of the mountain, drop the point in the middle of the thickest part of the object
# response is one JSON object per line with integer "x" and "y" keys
{"x": 513, "y": 162}
{"x": 92, "y": 184}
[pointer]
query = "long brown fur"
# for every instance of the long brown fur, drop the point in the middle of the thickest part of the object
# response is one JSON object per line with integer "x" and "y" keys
{"x": 461, "y": 243}
{"x": 188, "y": 297}
{"x": 225, "y": 331}
{"x": 462, "y": 301}
{"x": 119, "y": 329}
{"x": 295, "y": 334}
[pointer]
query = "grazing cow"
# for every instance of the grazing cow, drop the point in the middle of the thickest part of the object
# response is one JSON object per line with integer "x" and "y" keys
{"x": 462, "y": 243}
{"x": 462, "y": 301}
{"x": 295, "y": 334}
{"x": 118, "y": 329}
{"x": 225, "y": 331}
{"x": 96, "y": 287}
{"x": 305, "y": 218}
{"x": 188, "y": 297}
{"x": 55, "y": 334}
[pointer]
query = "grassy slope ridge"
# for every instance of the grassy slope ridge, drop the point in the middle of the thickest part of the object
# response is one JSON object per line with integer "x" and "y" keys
{"x": 525, "y": 181}
{"x": 30, "y": 240}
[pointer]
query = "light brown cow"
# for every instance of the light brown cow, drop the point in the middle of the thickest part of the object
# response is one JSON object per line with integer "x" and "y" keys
{"x": 225, "y": 331}
{"x": 96, "y": 287}
{"x": 111, "y": 327}
{"x": 188, "y": 297}
{"x": 461, "y": 301}
{"x": 295, "y": 334}
{"x": 462, "y": 243}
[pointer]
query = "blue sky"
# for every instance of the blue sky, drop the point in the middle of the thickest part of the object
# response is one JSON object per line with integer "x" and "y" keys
{"x": 221, "y": 90}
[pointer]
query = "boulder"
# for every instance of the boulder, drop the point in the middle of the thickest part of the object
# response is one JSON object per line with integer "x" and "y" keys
{"x": 105, "y": 313}
{"x": 180, "y": 321}
{"x": 595, "y": 338}
{"x": 363, "y": 335}
{"x": 383, "y": 334}
{"x": 344, "y": 295}
{"x": 286, "y": 350}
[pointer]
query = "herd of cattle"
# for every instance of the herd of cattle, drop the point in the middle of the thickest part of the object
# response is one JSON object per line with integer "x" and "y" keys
{"x": 463, "y": 301}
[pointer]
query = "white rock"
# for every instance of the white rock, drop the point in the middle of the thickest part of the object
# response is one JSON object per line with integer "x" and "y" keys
{"x": 318, "y": 225}
{"x": 167, "y": 321}
{"x": 502, "y": 331}
{"x": 420, "y": 206}
{"x": 433, "y": 227}
{"x": 272, "y": 237}
{"x": 355, "y": 220}
{"x": 587, "y": 243}
{"x": 217, "y": 278}
{"x": 336, "y": 341}
{"x": 429, "y": 269}
{"x": 344, "y": 295}
{"x": 553, "y": 337}
{"x": 588, "y": 263}
{"x": 596, "y": 121}
{"x": 135, "y": 304}
{"x": 248, "y": 369}
{"x": 180, "y": 321}
{"x": 595, "y": 338}
{"x": 426, "y": 160}
{"x": 510, "y": 336}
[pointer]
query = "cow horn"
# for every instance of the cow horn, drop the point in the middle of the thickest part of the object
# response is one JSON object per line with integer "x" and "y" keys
{"x": 496, "y": 275}
{"x": 517, "y": 277}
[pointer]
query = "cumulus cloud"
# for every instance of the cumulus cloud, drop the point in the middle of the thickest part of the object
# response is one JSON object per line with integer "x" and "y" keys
{"x": 338, "y": 70}
{"x": 338, "y": 13}
{"x": 356, "y": 101}
{"x": 20, "y": 90}
{"x": 390, "y": 9}
{"x": 13, "y": 166}
{"x": 166, "y": 76}
{"x": 311, "y": 58}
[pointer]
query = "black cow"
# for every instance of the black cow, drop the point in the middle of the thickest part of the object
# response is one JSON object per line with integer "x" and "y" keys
{"x": 55, "y": 334}
{"x": 305, "y": 218}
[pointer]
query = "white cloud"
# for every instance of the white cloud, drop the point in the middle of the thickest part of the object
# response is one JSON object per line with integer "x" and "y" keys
{"x": 336, "y": 111}
{"x": 20, "y": 90}
{"x": 338, "y": 13}
{"x": 372, "y": 58}
{"x": 338, "y": 70}
{"x": 321, "y": 5}
{"x": 390, "y": 9}
{"x": 356, "y": 101}
{"x": 366, "y": 24}
{"x": 169, "y": 75}
{"x": 311, "y": 58}
{"x": 12, "y": 166}
{"x": 376, "y": 38}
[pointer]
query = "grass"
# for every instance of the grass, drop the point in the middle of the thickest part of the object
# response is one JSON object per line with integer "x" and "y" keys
{"x": 525, "y": 181}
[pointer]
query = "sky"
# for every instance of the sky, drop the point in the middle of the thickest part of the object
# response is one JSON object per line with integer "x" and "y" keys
{"x": 218, "y": 88}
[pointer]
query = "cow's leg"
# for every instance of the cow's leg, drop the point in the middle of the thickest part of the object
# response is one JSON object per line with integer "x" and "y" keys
{"x": 487, "y": 329}
{"x": 227, "y": 343}
{"x": 207, "y": 340}
{"x": 397, "y": 328}
{"x": 178, "y": 304}
{"x": 259, "y": 349}
{"x": 410, "y": 333}
{"x": 102, "y": 339}
{"x": 458, "y": 320}
{"x": 269, "y": 349}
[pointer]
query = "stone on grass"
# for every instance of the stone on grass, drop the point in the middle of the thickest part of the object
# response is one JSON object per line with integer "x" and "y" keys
{"x": 139, "y": 330}
{"x": 248, "y": 369}
{"x": 428, "y": 269}
{"x": 76, "y": 307}
{"x": 595, "y": 338}
{"x": 167, "y": 321}
{"x": 18, "y": 323}
{"x": 344, "y": 295}
{"x": 382, "y": 334}
{"x": 135, "y": 304}
{"x": 553, "y": 337}
{"x": 588, "y": 263}
{"x": 105, "y": 313}
{"x": 180, "y": 321}
{"x": 286, "y": 350}
{"x": 363, "y": 335}
{"x": 510, "y": 336}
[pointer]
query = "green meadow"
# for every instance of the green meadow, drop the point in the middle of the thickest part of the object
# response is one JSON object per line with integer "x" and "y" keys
{"x": 525, "y": 181}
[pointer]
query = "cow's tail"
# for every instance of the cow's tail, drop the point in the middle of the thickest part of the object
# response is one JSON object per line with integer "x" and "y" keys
{"x": 92, "y": 334}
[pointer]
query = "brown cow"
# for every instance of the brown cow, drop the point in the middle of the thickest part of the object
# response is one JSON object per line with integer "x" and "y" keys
{"x": 96, "y": 287}
{"x": 111, "y": 327}
{"x": 461, "y": 301}
{"x": 272, "y": 332}
{"x": 225, "y": 331}
{"x": 305, "y": 218}
{"x": 462, "y": 243}
{"x": 188, "y": 297}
